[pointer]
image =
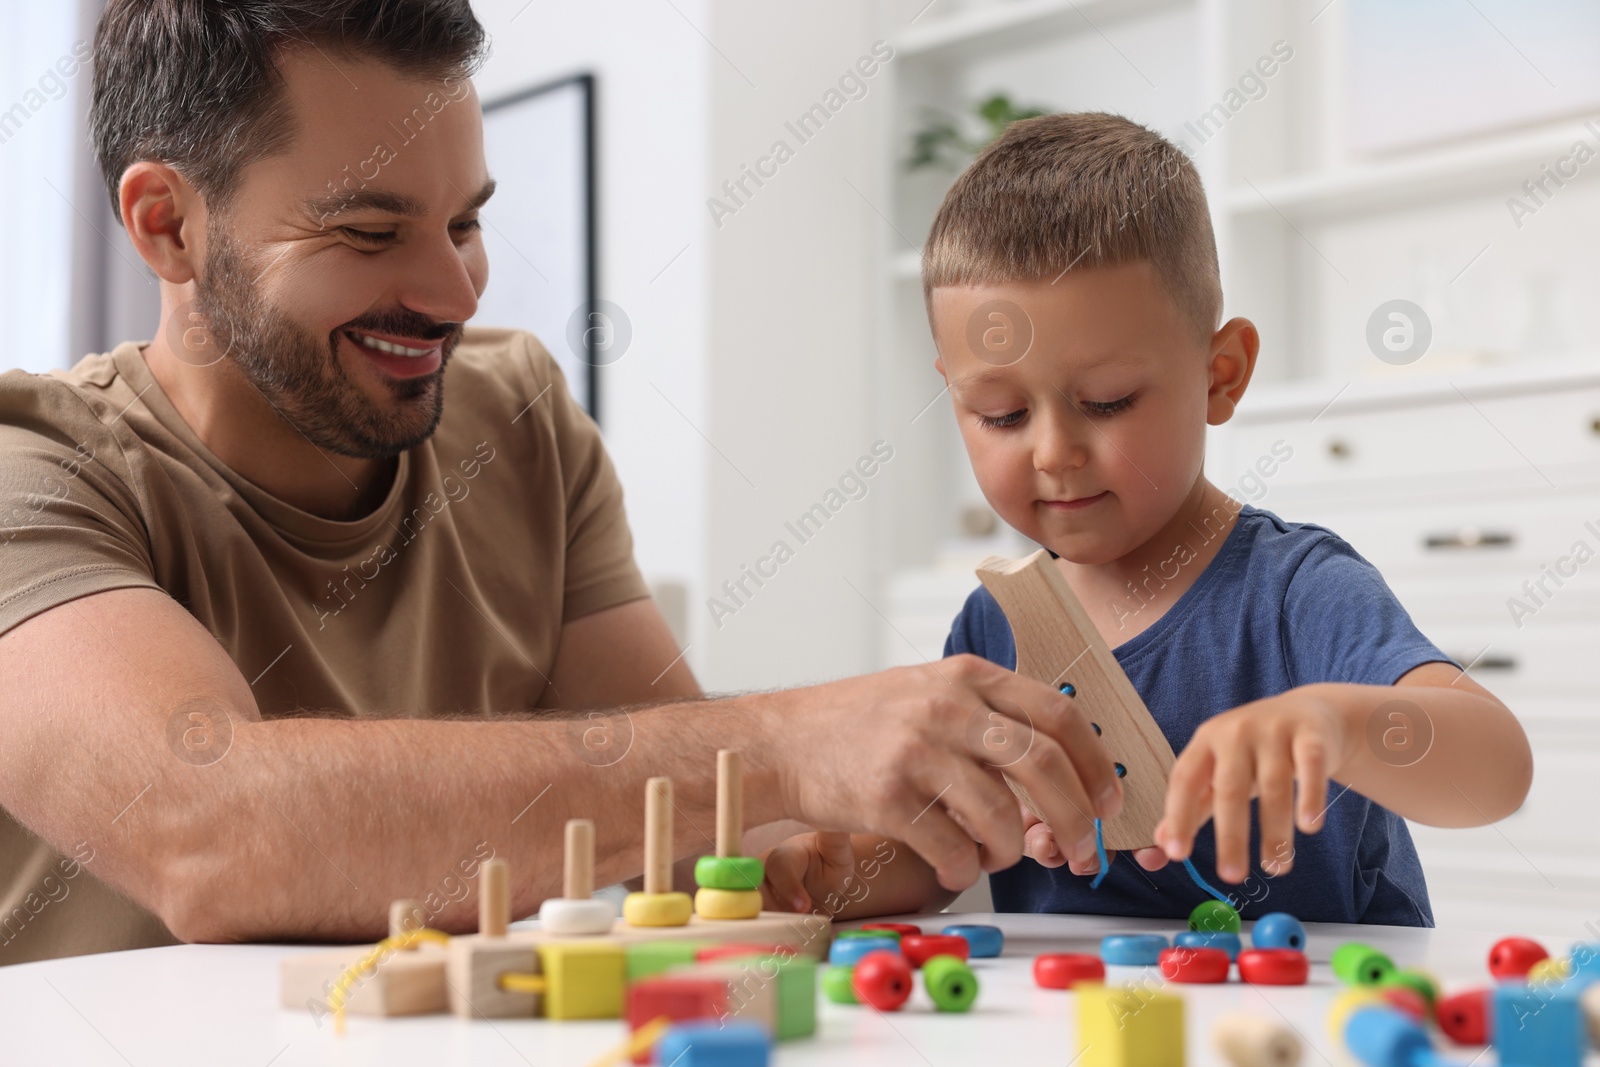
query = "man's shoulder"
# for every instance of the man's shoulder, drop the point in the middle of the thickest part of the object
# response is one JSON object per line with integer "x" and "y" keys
{"x": 85, "y": 399}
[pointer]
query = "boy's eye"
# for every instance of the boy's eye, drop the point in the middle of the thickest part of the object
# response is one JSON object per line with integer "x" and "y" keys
{"x": 1108, "y": 407}
{"x": 1000, "y": 422}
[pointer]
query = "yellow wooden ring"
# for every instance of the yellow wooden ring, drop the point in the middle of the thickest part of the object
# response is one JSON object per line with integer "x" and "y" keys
{"x": 727, "y": 903}
{"x": 1551, "y": 970}
{"x": 1345, "y": 1005}
{"x": 657, "y": 909}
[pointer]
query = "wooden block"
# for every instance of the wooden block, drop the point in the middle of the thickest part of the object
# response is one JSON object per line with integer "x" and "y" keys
{"x": 475, "y": 964}
{"x": 752, "y": 995}
{"x": 1256, "y": 1041}
{"x": 585, "y": 979}
{"x": 404, "y": 983}
{"x": 1057, "y": 643}
{"x": 1130, "y": 1027}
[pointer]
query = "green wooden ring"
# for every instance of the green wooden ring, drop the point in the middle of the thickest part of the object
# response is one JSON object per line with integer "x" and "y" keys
{"x": 891, "y": 934}
{"x": 950, "y": 983}
{"x": 1358, "y": 964}
{"x": 836, "y": 985}
{"x": 1214, "y": 917}
{"x": 739, "y": 873}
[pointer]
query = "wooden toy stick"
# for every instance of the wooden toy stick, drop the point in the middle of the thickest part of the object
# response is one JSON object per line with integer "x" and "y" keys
{"x": 1058, "y": 644}
{"x": 1256, "y": 1041}
{"x": 730, "y": 802}
{"x": 404, "y": 917}
{"x": 658, "y": 835}
{"x": 577, "y": 881}
{"x": 494, "y": 898}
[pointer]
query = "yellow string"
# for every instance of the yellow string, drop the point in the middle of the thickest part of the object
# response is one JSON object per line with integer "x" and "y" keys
{"x": 368, "y": 963}
{"x": 512, "y": 982}
{"x": 642, "y": 1039}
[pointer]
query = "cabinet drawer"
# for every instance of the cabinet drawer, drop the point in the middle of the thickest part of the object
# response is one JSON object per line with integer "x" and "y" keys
{"x": 1538, "y": 661}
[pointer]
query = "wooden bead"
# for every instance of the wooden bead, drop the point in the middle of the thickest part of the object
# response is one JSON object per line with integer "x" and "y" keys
{"x": 1256, "y": 1041}
{"x": 1513, "y": 957}
{"x": 983, "y": 942}
{"x": 1132, "y": 950}
{"x": 1464, "y": 1016}
{"x": 727, "y": 903}
{"x": 918, "y": 949}
{"x": 950, "y": 983}
{"x": 1358, "y": 964}
{"x": 1383, "y": 1037}
{"x": 864, "y": 932}
{"x": 1346, "y": 1004}
{"x": 657, "y": 909}
{"x": 1214, "y": 916}
{"x": 847, "y": 951}
{"x": 1421, "y": 982}
{"x": 1063, "y": 970}
{"x": 900, "y": 928}
{"x": 1194, "y": 966}
{"x": 1405, "y": 999}
{"x": 1228, "y": 943}
{"x": 575, "y": 918}
{"x": 838, "y": 986}
{"x": 1274, "y": 966}
{"x": 882, "y": 979}
{"x": 739, "y": 873}
{"x": 1550, "y": 969}
{"x": 1278, "y": 930}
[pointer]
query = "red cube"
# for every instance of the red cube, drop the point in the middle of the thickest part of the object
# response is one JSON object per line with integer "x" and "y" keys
{"x": 678, "y": 999}
{"x": 1195, "y": 965}
{"x": 740, "y": 948}
{"x": 919, "y": 948}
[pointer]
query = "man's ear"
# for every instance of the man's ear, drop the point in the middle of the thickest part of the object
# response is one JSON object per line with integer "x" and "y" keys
{"x": 1233, "y": 360}
{"x": 163, "y": 215}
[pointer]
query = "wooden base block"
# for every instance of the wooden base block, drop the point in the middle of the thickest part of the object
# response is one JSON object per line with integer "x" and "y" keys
{"x": 473, "y": 971}
{"x": 408, "y": 982}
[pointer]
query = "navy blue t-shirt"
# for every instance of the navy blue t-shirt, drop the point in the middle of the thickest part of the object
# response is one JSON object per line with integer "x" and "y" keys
{"x": 1281, "y": 605}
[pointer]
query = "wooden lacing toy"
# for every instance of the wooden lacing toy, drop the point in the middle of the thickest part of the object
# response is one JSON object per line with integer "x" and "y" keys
{"x": 1059, "y": 645}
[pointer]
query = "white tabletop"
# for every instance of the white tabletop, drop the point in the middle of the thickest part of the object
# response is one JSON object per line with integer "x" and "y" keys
{"x": 218, "y": 1004}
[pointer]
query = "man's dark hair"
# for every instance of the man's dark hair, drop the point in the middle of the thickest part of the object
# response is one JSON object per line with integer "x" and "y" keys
{"x": 195, "y": 83}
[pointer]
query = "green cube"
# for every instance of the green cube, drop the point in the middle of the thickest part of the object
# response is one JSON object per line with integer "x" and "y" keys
{"x": 797, "y": 996}
{"x": 650, "y": 958}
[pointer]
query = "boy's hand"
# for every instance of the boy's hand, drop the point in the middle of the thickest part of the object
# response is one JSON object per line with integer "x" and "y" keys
{"x": 845, "y": 877}
{"x": 806, "y": 868}
{"x": 1261, "y": 749}
{"x": 1039, "y": 844}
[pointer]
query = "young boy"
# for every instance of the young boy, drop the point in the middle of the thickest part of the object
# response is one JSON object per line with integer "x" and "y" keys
{"x": 1072, "y": 286}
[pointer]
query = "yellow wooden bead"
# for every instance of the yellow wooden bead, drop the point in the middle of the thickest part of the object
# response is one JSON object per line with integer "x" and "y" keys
{"x": 1551, "y": 969}
{"x": 657, "y": 909}
{"x": 727, "y": 903}
{"x": 1345, "y": 1005}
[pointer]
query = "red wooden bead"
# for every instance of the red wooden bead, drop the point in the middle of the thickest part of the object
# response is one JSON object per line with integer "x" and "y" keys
{"x": 1274, "y": 966}
{"x": 918, "y": 948}
{"x": 1513, "y": 957}
{"x": 1407, "y": 1000}
{"x": 882, "y": 979}
{"x": 1063, "y": 970}
{"x": 1195, "y": 965}
{"x": 903, "y": 929}
{"x": 740, "y": 948}
{"x": 1464, "y": 1016}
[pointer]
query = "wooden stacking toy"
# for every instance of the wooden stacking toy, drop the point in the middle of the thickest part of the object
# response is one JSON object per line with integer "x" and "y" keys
{"x": 730, "y": 884}
{"x": 658, "y": 904}
{"x": 577, "y": 910}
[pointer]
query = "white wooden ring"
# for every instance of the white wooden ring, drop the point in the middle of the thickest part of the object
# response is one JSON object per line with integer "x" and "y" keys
{"x": 561, "y": 916}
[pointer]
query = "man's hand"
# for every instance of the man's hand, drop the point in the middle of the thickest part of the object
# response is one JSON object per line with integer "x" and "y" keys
{"x": 911, "y": 754}
{"x": 1039, "y": 845}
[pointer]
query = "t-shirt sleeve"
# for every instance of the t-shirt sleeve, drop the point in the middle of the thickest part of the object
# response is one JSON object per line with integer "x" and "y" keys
{"x": 69, "y": 523}
{"x": 600, "y": 568}
{"x": 1342, "y": 623}
{"x": 967, "y": 632}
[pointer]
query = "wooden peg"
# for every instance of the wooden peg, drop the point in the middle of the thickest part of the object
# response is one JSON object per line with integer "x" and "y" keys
{"x": 730, "y": 802}
{"x": 658, "y": 836}
{"x": 577, "y": 912}
{"x": 577, "y": 881}
{"x": 494, "y": 898}
{"x": 404, "y": 917}
{"x": 1058, "y": 644}
{"x": 1256, "y": 1041}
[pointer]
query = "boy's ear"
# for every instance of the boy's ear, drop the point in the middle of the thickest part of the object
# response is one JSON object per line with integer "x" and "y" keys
{"x": 1233, "y": 360}
{"x": 938, "y": 365}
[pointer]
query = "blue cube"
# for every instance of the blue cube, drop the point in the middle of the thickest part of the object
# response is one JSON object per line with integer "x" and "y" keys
{"x": 983, "y": 942}
{"x": 1537, "y": 1025}
{"x": 737, "y": 1043}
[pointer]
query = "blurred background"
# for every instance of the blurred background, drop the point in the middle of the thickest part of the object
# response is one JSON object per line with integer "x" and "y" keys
{"x": 1404, "y": 200}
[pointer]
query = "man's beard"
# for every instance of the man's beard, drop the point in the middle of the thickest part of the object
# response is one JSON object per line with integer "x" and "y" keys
{"x": 300, "y": 374}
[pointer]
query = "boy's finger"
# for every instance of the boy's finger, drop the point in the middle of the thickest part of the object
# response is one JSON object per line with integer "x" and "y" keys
{"x": 834, "y": 849}
{"x": 1052, "y": 716}
{"x": 1275, "y": 779}
{"x": 1231, "y": 786}
{"x": 1151, "y": 859}
{"x": 1311, "y": 771}
{"x": 1039, "y": 845}
{"x": 1186, "y": 811}
{"x": 784, "y": 889}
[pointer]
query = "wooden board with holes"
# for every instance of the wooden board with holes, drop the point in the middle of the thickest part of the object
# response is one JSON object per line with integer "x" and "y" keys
{"x": 412, "y": 982}
{"x": 1056, "y": 643}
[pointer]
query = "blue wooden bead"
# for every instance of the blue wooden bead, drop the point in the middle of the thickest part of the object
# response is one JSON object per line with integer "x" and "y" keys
{"x": 1379, "y": 1036}
{"x": 846, "y": 951}
{"x": 1227, "y": 942}
{"x": 1585, "y": 959}
{"x": 983, "y": 941}
{"x": 1278, "y": 930}
{"x": 1132, "y": 950}
{"x": 734, "y": 1043}
{"x": 1537, "y": 1025}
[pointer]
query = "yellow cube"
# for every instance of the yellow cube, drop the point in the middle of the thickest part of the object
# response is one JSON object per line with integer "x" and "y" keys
{"x": 1129, "y": 1027}
{"x": 584, "y": 979}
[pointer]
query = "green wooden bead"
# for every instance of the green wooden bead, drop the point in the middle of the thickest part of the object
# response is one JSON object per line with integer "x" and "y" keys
{"x": 836, "y": 985}
{"x": 1421, "y": 981}
{"x": 950, "y": 983}
{"x": 729, "y": 872}
{"x": 1358, "y": 964}
{"x": 893, "y": 934}
{"x": 1214, "y": 917}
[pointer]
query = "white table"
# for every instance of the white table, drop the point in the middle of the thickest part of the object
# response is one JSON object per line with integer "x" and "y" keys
{"x": 218, "y": 1004}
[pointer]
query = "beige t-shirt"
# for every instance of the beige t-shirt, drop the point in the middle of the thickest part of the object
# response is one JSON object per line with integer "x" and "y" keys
{"x": 450, "y": 597}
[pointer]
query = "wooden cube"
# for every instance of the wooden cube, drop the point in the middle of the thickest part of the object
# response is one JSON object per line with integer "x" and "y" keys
{"x": 475, "y": 965}
{"x": 1129, "y": 1027}
{"x": 752, "y": 988}
{"x": 584, "y": 979}
{"x": 1537, "y": 1025}
{"x": 406, "y": 982}
{"x": 677, "y": 998}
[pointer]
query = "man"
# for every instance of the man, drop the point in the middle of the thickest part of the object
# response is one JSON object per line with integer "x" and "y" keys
{"x": 285, "y": 634}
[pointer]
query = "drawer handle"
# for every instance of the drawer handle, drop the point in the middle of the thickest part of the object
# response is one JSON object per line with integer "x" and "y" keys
{"x": 1338, "y": 449}
{"x": 1469, "y": 537}
{"x": 1488, "y": 663}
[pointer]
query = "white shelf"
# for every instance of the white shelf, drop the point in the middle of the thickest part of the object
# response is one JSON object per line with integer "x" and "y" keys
{"x": 1495, "y": 165}
{"x": 995, "y": 25}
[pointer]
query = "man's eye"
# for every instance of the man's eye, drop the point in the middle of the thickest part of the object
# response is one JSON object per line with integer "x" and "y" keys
{"x": 380, "y": 237}
{"x": 469, "y": 226}
{"x": 1108, "y": 407}
{"x": 1000, "y": 422}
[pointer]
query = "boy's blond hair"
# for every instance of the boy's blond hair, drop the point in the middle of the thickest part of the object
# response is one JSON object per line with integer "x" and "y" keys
{"x": 1075, "y": 191}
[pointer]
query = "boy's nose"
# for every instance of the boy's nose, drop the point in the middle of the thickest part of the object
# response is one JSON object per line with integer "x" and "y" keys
{"x": 1060, "y": 443}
